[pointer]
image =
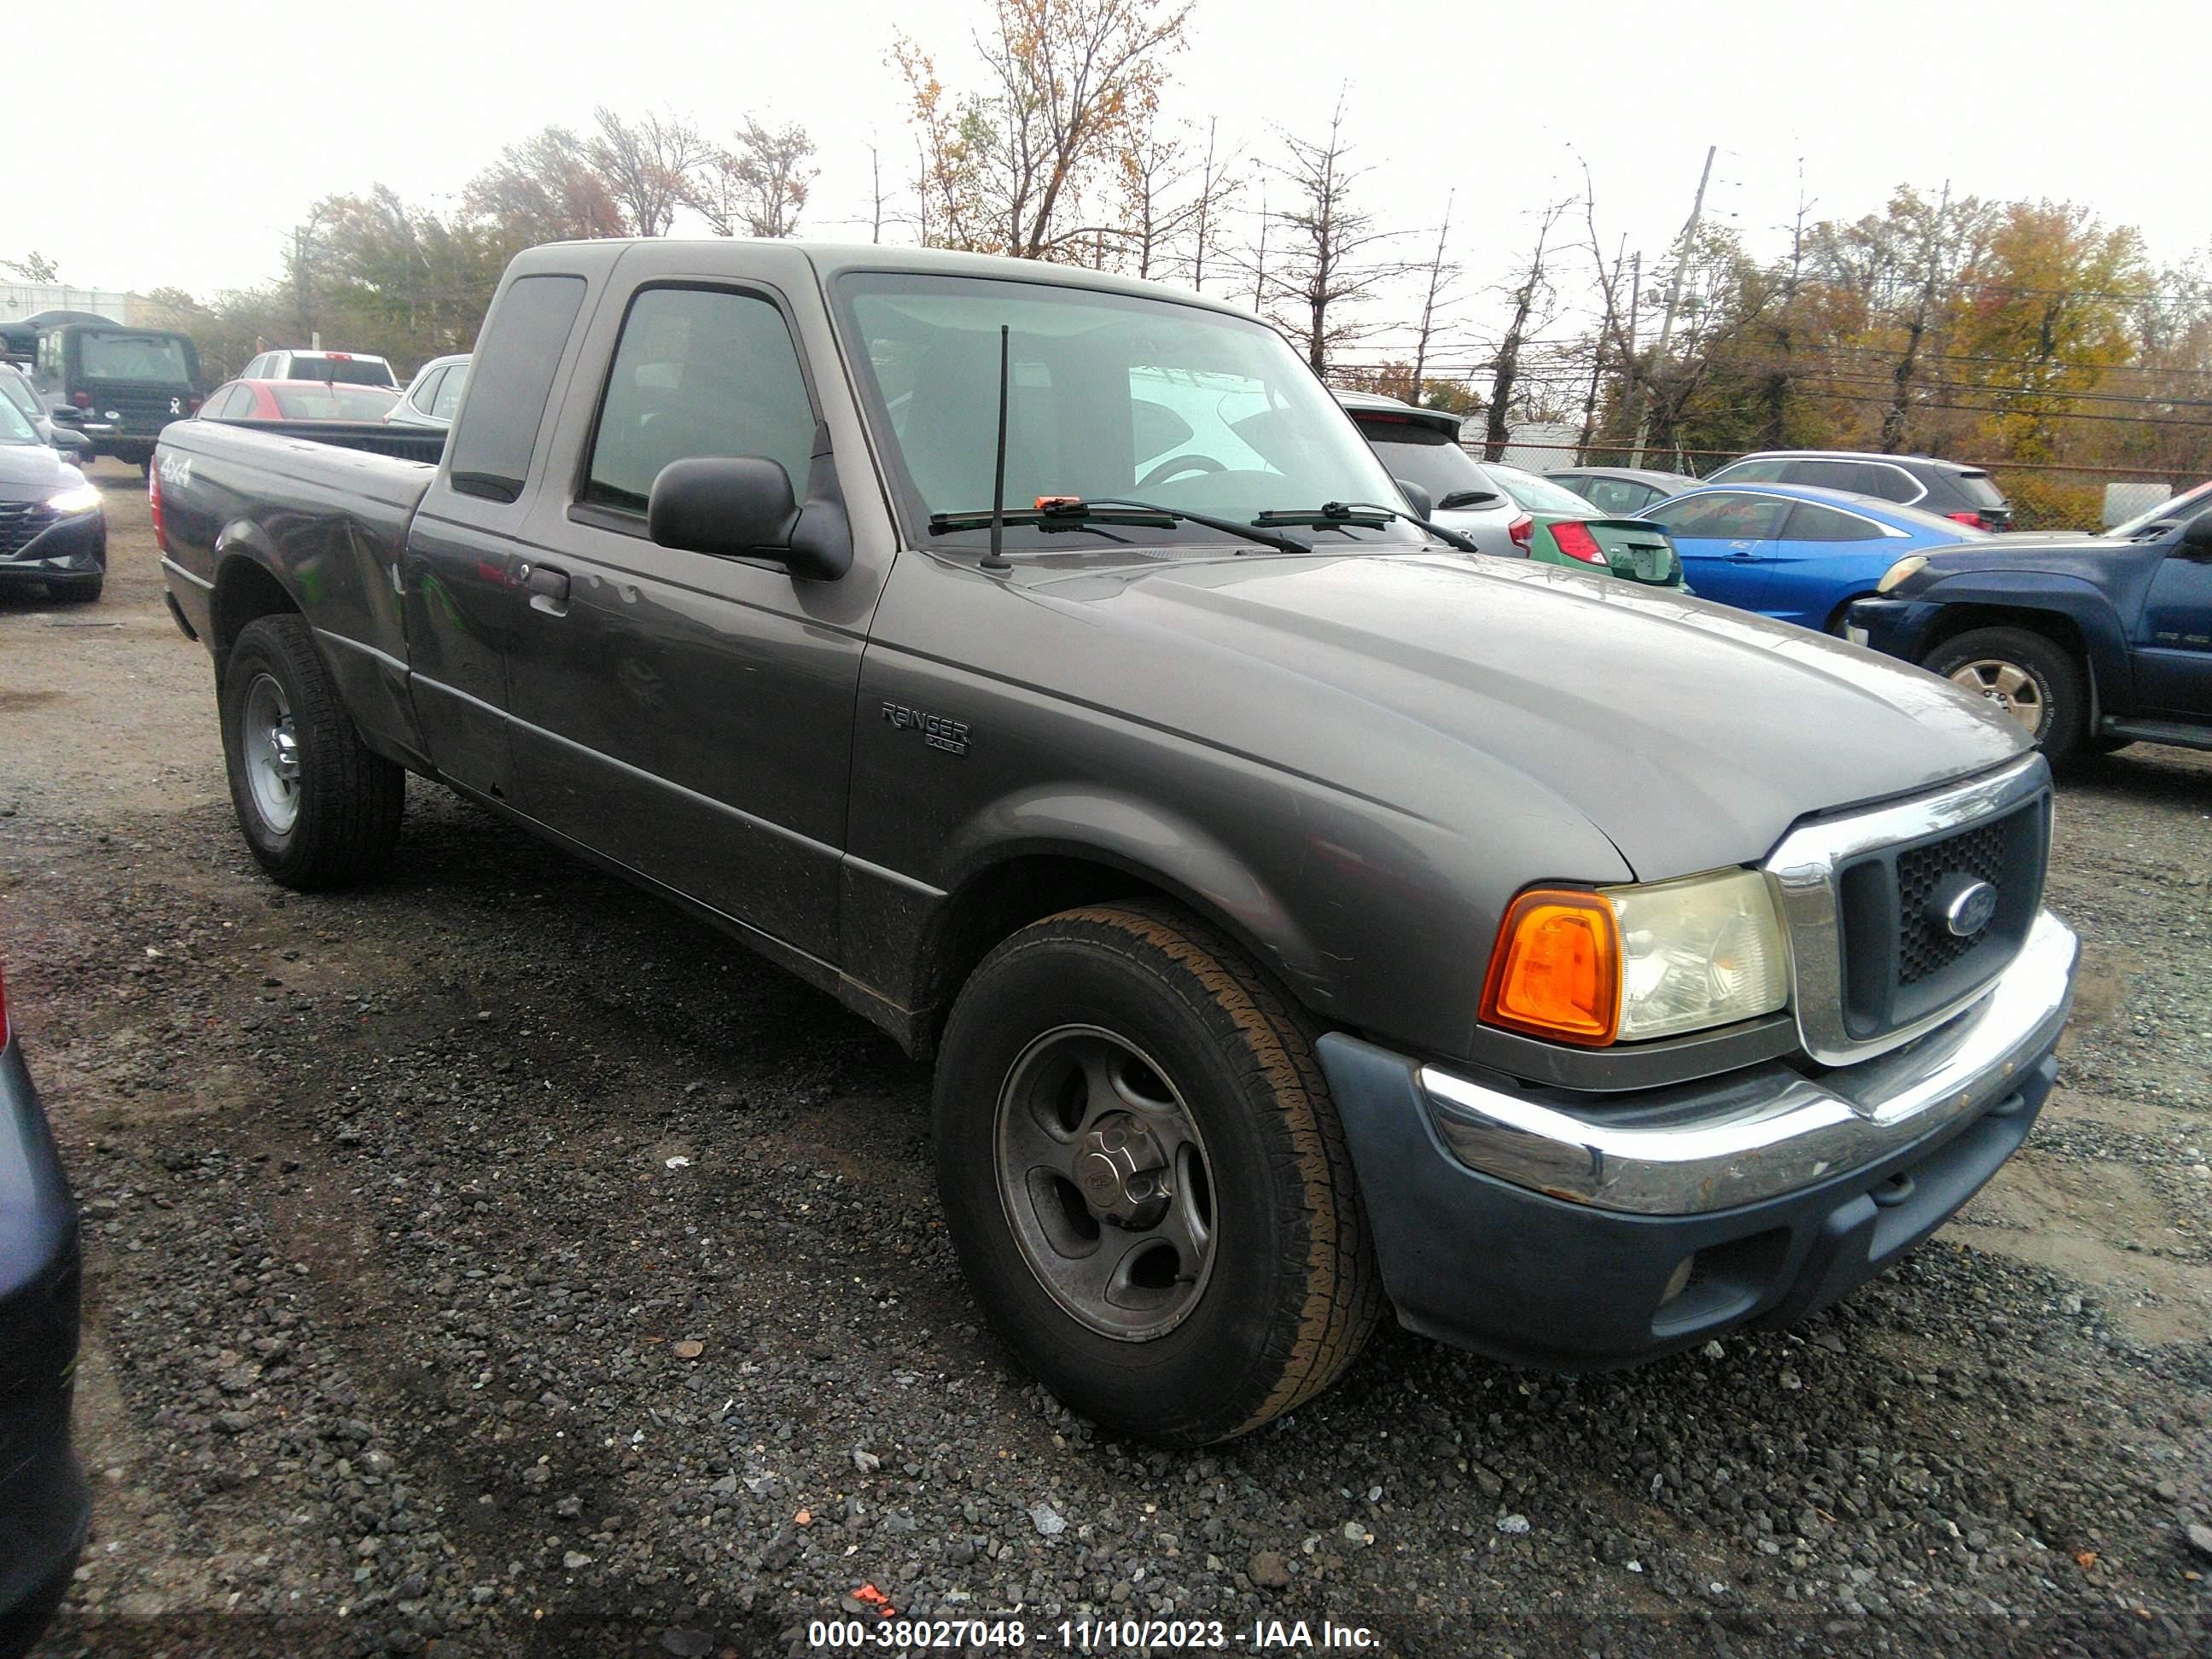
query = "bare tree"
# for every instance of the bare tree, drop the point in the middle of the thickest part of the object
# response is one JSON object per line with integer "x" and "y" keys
{"x": 758, "y": 188}
{"x": 32, "y": 267}
{"x": 1437, "y": 293}
{"x": 1217, "y": 188}
{"x": 1329, "y": 262}
{"x": 1004, "y": 169}
{"x": 1532, "y": 293}
{"x": 646, "y": 166}
{"x": 545, "y": 189}
{"x": 876, "y": 191}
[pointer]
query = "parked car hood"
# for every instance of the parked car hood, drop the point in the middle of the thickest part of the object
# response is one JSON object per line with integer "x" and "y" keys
{"x": 1689, "y": 735}
{"x": 32, "y": 471}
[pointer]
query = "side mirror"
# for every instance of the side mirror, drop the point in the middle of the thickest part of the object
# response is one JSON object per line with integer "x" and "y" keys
{"x": 741, "y": 507}
{"x": 72, "y": 446}
{"x": 2196, "y": 537}
{"x": 1423, "y": 505}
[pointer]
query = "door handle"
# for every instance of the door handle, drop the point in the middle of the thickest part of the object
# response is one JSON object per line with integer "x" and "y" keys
{"x": 543, "y": 581}
{"x": 1743, "y": 558}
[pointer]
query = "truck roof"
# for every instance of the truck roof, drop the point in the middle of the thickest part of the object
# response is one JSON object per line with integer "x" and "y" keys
{"x": 834, "y": 259}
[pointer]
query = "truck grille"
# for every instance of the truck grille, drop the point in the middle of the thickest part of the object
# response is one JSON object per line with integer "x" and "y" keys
{"x": 1924, "y": 945}
{"x": 19, "y": 523}
{"x": 1900, "y": 962}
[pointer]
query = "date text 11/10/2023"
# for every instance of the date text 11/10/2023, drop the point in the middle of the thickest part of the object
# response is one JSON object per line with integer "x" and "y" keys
{"x": 1092, "y": 1636}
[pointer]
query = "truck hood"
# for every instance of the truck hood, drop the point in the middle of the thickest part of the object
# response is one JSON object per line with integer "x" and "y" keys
{"x": 1688, "y": 734}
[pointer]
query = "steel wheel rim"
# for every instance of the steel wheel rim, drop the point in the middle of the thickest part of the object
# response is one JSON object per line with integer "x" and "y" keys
{"x": 2008, "y": 687}
{"x": 270, "y": 748}
{"x": 1105, "y": 1182}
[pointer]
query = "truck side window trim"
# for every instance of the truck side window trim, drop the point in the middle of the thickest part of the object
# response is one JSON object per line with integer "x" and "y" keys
{"x": 602, "y": 513}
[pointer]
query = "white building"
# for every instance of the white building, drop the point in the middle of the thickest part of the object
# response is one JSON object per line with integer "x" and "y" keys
{"x": 21, "y": 299}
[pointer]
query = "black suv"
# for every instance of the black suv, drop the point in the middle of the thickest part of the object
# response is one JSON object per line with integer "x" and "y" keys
{"x": 118, "y": 386}
{"x": 1948, "y": 489}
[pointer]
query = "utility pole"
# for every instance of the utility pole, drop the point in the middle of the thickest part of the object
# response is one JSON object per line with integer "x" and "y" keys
{"x": 1673, "y": 298}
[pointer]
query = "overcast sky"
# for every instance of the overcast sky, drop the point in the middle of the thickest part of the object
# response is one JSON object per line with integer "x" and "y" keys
{"x": 176, "y": 142}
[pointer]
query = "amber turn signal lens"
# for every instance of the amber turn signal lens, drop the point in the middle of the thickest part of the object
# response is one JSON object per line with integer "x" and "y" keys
{"x": 1556, "y": 970}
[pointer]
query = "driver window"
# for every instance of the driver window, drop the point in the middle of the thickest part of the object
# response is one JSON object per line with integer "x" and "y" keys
{"x": 698, "y": 372}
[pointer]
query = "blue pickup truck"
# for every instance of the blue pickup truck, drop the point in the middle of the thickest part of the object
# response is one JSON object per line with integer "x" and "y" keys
{"x": 2088, "y": 642}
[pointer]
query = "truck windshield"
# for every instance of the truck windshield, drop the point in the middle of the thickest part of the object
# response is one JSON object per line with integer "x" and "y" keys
{"x": 1110, "y": 395}
{"x": 155, "y": 358}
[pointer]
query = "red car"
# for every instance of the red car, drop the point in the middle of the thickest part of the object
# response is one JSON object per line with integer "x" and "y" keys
{"x": 297, "y": 400}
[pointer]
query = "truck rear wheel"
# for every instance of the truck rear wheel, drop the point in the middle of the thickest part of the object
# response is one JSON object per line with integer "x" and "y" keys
{"x": 317, "y": 807}
{"x": 1145, "y": 1179}
{"x": 2025, "y": 675}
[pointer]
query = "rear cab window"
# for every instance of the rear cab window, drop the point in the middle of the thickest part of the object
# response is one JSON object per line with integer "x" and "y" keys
{"x": 519, "y": 355}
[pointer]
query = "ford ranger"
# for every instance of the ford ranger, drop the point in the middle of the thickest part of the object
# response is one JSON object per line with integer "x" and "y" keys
{"x": 1306, "y": 918}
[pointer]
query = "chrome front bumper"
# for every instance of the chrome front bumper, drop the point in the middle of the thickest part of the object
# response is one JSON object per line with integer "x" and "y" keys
{"x": 1773, "y": 1129}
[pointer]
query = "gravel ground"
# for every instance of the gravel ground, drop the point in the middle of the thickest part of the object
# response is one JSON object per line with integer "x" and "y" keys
{"x": 495, "y": 1262}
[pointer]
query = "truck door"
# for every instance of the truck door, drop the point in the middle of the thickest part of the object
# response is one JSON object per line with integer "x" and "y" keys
{"x": 689, "y": 716}
{"x": 2173, "y": 642}
{"x": 462, "y": 600}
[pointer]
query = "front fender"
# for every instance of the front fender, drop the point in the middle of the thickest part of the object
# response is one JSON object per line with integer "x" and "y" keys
{"x": 1149, "y": 840}
{"x": 2082, "y": 603}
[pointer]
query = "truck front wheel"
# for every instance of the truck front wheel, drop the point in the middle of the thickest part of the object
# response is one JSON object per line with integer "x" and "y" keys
{"x": 318, "y": 808}
{"x": 1145, "y": 1176}
{"x": 2026, "y": 676}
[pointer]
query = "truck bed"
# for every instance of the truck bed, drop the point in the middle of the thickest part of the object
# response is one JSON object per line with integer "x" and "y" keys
{"x": 406, "y": 443}
{"x": 328, "y": 517}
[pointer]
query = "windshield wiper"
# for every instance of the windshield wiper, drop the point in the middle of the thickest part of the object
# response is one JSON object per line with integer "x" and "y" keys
{"x": 1073, "y": 512}
{"x": 1367, "y": 515}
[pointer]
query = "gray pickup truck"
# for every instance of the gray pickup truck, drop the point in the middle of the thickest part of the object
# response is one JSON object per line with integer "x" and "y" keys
{"x": 1305, "y": 918}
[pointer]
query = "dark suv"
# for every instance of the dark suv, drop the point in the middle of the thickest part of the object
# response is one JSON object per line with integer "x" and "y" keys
{"x": 118, "y": 386}
{"x": 1947, "y": 488}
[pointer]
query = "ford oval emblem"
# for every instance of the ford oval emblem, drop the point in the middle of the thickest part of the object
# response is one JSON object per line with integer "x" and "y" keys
{"x": 1971, "y": 908}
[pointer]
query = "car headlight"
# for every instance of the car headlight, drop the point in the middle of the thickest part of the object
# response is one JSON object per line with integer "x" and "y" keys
{"x": 79, "y": 498}
{"x": 1631, "y": 963}
{"x": 1898, "y": 572}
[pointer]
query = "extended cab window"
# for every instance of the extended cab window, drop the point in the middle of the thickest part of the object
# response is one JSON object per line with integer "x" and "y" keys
{"x": 698, "y": 372}
{"x": 516, "y": 360}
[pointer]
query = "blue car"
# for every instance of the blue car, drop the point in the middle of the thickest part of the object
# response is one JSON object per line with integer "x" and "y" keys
{"x": 1795, "y": 552}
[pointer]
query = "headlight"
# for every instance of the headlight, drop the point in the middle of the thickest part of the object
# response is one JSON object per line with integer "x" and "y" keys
{"x": 1898, "y": 572}
{"x": 1630, "y": 964}
{"x": 82, "y": 498}
{"x": 1707, "y": 951}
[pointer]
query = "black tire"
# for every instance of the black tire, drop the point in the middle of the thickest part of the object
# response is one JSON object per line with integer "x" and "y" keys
{"x": 347, "y": 800}
{"x": 2048, "y": 667}
{"x": 81, "y": 589}
{"x": 1292, "y": 1289}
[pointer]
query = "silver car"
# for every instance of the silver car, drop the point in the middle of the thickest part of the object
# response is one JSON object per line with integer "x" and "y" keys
{"x": 1421, "y": 446}
{"x": 433, "y": 395}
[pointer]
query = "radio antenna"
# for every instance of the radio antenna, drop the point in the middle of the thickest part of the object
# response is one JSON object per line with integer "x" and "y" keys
{"x": 995, "y": 559}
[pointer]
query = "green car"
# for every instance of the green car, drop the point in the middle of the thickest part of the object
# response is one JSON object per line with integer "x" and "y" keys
{"x": 1563, "y": 529}
{"x": 1502, "y": 509}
